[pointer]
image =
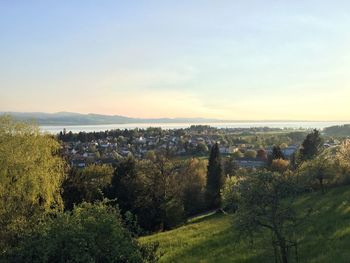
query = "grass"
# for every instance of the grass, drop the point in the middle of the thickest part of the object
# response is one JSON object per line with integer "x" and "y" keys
{"x": 212, "y": 238}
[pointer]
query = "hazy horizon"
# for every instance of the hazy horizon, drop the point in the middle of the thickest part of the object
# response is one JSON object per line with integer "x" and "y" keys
{"x": 248, "y": 60}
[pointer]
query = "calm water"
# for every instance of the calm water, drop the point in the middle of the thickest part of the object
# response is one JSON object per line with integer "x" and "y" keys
{"x": 96, "y": 128}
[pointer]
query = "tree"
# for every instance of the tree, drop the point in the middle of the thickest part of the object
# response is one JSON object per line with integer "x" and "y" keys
{"x": 86, "y": 184}
{"x": 230, "y": 193}
{"x": 277, "y": 153}
{"x": 343, "y": 160}
{"x": 279, "y": 165}
{"x": 31, "y": 173}
{"x": 266, "y": 202}
{"x": 159, "y": 204}
{"x": 201, "y": 148}
{"x": 193, "y": 178}
{"x": 125, "y": 184}
{"x": 250, "y": 154}
{"x": 89, "y": 233}
{"x": 215, "y": 178}
{"x": 320, "y": 169}
{"x": 311, "y": 145}
{"x": 230, "y": 166}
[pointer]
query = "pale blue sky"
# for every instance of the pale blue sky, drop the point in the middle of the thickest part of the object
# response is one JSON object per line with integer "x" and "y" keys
{"x": 224, "y": 59}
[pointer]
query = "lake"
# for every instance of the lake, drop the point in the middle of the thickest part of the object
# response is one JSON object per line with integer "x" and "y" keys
{"x": 97, "y": 128}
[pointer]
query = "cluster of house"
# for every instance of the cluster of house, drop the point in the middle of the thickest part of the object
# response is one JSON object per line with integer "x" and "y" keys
{"x": 261, "y": 161}
{"x": 178, "y": 143}
{"x": 107, "y": 151}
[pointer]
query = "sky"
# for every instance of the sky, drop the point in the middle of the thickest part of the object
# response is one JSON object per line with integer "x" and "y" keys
{"x": 232, "y": 60}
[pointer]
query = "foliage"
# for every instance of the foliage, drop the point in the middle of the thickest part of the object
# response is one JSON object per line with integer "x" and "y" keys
{"x": 250, "y": 154}
{"x": 343, "y": 157}
{"x": 125, "y": 185}
{"x": 31, "y": 173}
{"x": 237, "y": 154}
{"x": 215, "y": 178}
{"x": 320, "y": 170}
{"x": 230, "y": 194}
{"x": 160, "y": 194}
{"x": 230, "y": 166}
{"x": 277, "y": 153}
{"x": 266, "y": 202}
{"x": 86, "y": 184}
{"x": 193, "y": 178}
{"x": 311, "y": 145}
{"x": 279, "y": 165}
{"x": 89, "y": 233}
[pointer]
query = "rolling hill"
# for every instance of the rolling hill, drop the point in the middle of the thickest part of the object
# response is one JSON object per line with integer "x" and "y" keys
{"x": 71, "y": 118}
{"x": 212, "y": 238}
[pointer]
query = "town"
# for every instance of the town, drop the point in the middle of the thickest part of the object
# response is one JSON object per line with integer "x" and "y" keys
{"x": 249, "y": 147}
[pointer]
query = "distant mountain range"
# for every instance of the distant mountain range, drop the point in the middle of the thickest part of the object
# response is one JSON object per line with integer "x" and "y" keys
{"x": 70, "y": 118}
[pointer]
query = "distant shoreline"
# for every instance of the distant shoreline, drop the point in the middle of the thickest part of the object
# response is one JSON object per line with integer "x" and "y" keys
{"x": 54, "y": 129}
{"x": 78, "y": 119}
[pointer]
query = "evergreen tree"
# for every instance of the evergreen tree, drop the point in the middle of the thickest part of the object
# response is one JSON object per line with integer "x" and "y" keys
{"x": 215, "y": 178}
{"x": 311, "y": 145}
{"x": 277, "y": 153}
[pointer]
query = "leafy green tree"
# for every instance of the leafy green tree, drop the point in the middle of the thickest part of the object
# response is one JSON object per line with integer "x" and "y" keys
{"x": 192, "y": 177}
{"x": 230, "y": 166}
{"x": 230, "y": 193}
{"x": 201, "y": 148}
{"x": 159, "y": 204}
{"x": 31, "y": 173}
{"x": 89, "y": 233}
{"x": 343, "y": 161}
{"x": 215, "y": 179}
{"x": 311, "y": 145}
{"x": 125, "y": 184}
{"x": 86, "y": 184}
{"x": 321, "y": 169}
{"x": 266, "y": 202}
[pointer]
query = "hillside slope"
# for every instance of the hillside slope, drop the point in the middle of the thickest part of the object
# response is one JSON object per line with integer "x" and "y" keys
{"x": 325, "y": 238}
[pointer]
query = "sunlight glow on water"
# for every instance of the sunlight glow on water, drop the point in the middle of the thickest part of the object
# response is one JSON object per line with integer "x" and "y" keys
{"x": 96, "y": 128}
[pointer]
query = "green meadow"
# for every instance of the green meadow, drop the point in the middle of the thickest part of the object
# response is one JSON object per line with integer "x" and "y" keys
{"x": 325, "y": 235}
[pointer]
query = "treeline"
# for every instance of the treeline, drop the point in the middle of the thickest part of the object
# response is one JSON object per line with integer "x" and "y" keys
{"x": 93, "y": 136}
{"x": 156, "y": 193}
{"x": 338, "y": 131}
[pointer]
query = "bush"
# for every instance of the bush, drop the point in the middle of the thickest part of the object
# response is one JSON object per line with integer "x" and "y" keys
{"x": 279, "y": 165}
{"x": 90, "y": 233}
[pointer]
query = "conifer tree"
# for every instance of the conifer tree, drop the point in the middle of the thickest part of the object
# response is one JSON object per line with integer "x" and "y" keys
{"x": 311, "y": 145}
{"x": 215, "y": 178}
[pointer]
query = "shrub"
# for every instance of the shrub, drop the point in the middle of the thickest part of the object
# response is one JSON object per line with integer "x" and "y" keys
{"x": 89, "y": 233}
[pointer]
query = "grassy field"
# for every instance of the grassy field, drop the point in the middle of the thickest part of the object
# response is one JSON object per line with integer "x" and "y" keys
{"x": 212, "y": 238}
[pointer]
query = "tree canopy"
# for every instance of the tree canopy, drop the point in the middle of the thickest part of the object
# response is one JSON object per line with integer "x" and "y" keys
{"x": 31, "y": 173}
